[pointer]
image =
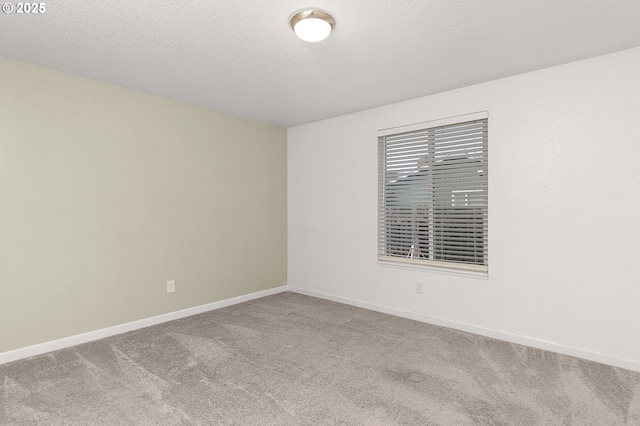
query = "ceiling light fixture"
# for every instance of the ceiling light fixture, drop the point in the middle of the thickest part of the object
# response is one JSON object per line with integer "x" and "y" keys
{"x": 312, "y": 25}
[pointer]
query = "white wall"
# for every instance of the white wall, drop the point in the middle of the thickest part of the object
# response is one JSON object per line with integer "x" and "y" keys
{"x": 107, "y": 193}
{"x": 564, "y": 224}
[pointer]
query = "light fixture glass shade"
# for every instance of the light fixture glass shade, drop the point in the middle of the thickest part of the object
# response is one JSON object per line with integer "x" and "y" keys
{"x": 312, "y": 25}
{"x": 312, "y": 29}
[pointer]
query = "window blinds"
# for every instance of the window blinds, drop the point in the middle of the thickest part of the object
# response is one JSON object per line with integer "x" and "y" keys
{"x": 433, "y": 195}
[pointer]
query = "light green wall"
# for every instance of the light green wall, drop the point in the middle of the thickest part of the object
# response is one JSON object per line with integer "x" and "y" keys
{"x": 106, "y": 193}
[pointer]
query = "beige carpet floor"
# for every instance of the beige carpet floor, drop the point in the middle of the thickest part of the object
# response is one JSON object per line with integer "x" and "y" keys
{"x": 290, "y": 359}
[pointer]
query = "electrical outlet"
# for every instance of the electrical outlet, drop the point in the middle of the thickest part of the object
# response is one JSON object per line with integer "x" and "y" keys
{"x": 418, "y": 287}
{"x": 171, "y": 286}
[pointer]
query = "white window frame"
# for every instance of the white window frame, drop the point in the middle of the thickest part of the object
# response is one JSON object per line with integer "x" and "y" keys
{"x": 390, "y": 251}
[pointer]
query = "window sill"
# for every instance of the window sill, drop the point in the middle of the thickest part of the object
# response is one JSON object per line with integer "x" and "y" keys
{"x": 399, "y": 264}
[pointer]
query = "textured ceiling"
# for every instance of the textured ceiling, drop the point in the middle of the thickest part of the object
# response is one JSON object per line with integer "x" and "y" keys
{"x": 242, "y": 57}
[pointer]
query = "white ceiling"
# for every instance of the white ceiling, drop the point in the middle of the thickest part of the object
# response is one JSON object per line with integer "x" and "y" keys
{"x": 242, "y": 57}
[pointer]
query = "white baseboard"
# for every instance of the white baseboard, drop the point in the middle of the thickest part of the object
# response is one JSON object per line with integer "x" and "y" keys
{"x": 496, "y": 334}
{"x": 487, "y": 332}
{"x": 66, "y": 342}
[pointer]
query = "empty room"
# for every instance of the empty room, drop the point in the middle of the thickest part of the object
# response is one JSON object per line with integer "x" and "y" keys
{"x": 327, "y": 213}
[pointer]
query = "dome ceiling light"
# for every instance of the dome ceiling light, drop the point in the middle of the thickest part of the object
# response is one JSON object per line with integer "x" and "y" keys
{"x": 312, "y": 25}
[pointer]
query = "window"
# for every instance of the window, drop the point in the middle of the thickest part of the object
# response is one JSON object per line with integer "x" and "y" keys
{"x": 433, "y": 193}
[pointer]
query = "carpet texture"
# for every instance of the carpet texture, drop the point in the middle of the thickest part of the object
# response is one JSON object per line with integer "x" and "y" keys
{"x": 291, "y": 359}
